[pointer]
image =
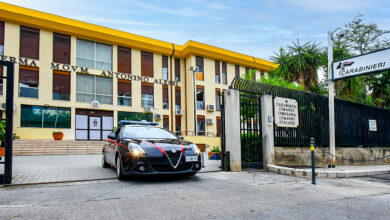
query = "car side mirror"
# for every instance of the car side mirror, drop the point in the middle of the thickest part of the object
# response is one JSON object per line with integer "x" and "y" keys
{"x": 112, "y": 136}
{"x": 180, "y": 137}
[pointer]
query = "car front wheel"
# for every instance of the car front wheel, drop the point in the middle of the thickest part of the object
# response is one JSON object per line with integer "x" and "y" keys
{"x": 119, "y": 172}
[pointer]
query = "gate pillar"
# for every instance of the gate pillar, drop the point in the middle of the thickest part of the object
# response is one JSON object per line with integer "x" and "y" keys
{"x": 232, "y": 128}
{"x": 267, "y": 130}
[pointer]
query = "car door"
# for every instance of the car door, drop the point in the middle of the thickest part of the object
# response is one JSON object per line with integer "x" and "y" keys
{"x": 112, "y": 146}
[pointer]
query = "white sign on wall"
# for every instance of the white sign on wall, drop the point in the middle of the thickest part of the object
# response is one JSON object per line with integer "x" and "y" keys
{"x": 363, "y": 64}
{"x": 286, "y": 112}
{"x": 372, "y": 125}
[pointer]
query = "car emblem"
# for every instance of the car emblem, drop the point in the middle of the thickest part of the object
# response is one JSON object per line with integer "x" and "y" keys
{"x": 173, "y": 151}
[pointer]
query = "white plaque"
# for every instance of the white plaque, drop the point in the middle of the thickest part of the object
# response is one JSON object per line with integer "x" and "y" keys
{"x": 372, "y": 125}
{"x": 286, "y": 112}
{"x": 95, "y": 104}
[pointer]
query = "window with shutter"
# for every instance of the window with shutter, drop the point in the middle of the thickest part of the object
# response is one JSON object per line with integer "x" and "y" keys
{"x": 178, "y": 98}
{"x": 165, "y": 67}
{"x": 166, "y": 122}
{"x": 200, "y": 97}
{"x": 146, "y": 64}
{"x": 199, "y": 64}
{"x": 29, "y": 42}
{"x": 28, "y": 82}
{"x": 177, "y": 69}
{"x": 124, "y": 60}
{"x": 237, "y": 67}
{"x": 217, "y": 72}
{"x": 124, "y": 92}
{"x": 61, "y": 48}
{"x": 61, "y": 85}
{"x": 224, "y": 73}
{"x": 165, "y": 98}
{"x": 217, "y": 100}
{"x": 147, "y": 98}
{"x": 219, "y": 130}
{"x": 178, "y": 125}
{"x": 201, "y": 125}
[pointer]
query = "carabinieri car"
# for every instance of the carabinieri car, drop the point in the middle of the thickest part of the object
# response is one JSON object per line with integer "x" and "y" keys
{"x": 141, "y": 148}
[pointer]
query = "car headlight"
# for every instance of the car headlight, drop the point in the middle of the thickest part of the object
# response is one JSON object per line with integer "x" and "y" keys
{"x": 196, "y": 149}
{"x": 136, "y": 150}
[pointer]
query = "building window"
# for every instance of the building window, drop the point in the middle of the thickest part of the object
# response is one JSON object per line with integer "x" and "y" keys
{"x": 166, "y": 122}
{"x": 28, "y": 82}
{"x": 135, "y": 116}
{"x": 200, "y": 124}
{"x": 199, "y": 97}
{"x": 124, "y": 92}
{"x": 146, "y": 64}
{"x": 165, "y": 67}
{"x": 147, "y": 95}
{"x": 61, "y": 48}
{"x": 217, "y": 100}
{"x": 93, "y": 55}
{"x": 91, "y": 87}
{"x": 2, "y": 28}
{"x": 177, "y": 69}
{"x": 178, "y": 98}
{"x": 178, "y": 125}
{"x": 1, "y": 52}
{"x": 45, "y": 117}
{"x": 199, "y": 64}
{"x": 124, "y": 60}
{"x": 29, "y": 42}
{"x": 219, "y": 130}
{"x": 237, "y": 69}
{"x": 224, "y": 73}
{"x": 165, "y": 97}
{"x": 217, "y": 72}
{"x": 61, "y": 85}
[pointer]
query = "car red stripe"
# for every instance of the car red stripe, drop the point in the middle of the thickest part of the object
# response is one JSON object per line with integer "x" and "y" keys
{"x": 119, "y": 144}
{"x": 158, "y": 147}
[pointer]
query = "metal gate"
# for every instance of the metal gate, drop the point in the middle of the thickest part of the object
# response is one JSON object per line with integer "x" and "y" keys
{"x": 250, "y": 127}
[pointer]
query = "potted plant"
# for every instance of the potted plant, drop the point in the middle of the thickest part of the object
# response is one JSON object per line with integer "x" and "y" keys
{"x": 215, "y": 153}
{"x": 58, "y": 135}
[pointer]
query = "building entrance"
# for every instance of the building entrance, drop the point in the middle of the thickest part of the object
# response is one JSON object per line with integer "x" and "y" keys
{"x": 93, "y": 124}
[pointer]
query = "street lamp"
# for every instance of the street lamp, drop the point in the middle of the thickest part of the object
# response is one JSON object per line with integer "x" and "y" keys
{"x": 194, "y": 70}
{"x": 332, "y": 135}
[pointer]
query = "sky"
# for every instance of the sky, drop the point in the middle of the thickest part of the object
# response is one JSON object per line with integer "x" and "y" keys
{"x": 253, "y": 27}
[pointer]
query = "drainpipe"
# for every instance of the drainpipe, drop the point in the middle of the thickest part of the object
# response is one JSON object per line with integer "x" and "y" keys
{"x": 172, "y": 89}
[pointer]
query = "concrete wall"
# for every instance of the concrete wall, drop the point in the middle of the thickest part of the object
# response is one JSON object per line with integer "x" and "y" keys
{"x": 288, "y": 156}
{"x": 232, "y": 128}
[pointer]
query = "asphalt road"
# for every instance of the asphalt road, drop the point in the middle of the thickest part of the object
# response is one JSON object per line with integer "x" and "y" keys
{"x": 219, "y": 195}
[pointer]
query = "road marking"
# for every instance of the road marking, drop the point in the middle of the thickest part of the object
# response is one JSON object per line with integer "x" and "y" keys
{"x": 367, "y": 182}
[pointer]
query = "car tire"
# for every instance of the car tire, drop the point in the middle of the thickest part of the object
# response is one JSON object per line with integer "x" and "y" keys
{"x": 119, "y": 173}
{"x": 104, "y": 162}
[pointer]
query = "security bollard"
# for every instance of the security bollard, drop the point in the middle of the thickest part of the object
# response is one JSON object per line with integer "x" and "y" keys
{"x": 313, "y": 162}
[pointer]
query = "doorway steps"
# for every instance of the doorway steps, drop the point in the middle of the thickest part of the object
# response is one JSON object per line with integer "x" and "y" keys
{"x": 52, "y": 147}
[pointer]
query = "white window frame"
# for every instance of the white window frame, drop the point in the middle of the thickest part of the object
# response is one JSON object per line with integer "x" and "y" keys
{"x": 94, "y": 50}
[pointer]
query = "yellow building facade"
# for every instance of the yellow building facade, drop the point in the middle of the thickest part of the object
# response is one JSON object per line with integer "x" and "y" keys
{"x": 81, "y": 78}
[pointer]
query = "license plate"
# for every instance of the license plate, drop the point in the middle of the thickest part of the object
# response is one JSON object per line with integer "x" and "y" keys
{"x": 191, "y": 158}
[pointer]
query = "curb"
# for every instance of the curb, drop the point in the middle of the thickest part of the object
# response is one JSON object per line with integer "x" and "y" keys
{"x": 304, "y": 173}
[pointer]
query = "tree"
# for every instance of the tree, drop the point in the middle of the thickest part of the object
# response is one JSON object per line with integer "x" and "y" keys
{"x": 299, "y": 64}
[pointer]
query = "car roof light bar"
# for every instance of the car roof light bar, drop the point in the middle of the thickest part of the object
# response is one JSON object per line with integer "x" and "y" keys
{"x": 143, "y": 122}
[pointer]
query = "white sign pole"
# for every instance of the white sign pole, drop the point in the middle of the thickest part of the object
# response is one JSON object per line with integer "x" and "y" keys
{"x": 332, "y": 134}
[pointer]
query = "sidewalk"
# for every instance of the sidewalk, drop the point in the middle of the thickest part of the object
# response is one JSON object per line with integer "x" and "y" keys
{"x": 338, "y": 172}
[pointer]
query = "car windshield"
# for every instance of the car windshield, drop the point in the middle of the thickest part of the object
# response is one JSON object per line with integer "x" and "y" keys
{"x": 146, "y": 132}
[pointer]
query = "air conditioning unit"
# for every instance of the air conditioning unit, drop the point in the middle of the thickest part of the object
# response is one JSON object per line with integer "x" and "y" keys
{"x": 148, "y": 109}
{"x": 210, "y": 108}
{"x": 158, "y": 117}
{"x": 210, "y": 121}
{"x": 179, "y": 112}
{"x": 3, "y": 106}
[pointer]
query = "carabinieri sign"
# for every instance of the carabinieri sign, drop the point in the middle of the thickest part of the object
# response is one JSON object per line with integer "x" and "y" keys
{"x": 368, "y": 63}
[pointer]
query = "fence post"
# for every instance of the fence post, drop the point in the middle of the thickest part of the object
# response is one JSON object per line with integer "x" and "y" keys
{"x": 267, "y": 130}
{"x": 232, "y": 128}
{"x": 313, "y": 162}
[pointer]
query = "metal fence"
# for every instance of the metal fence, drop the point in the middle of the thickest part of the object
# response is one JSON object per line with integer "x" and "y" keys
{"x": 351, "y": 119}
